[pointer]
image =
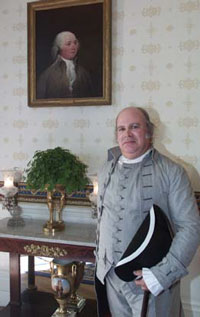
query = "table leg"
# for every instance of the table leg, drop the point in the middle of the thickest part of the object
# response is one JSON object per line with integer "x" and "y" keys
{"x": 31, "y": 273}
{"x": 15, "y": 279}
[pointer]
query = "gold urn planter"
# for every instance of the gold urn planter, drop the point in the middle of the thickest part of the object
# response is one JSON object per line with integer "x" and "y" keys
{"x": 55, "y": 205}
{"x": 56, "y": 171}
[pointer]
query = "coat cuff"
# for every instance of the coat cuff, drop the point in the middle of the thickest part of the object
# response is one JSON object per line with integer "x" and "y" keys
{"x": 169, "y": 271}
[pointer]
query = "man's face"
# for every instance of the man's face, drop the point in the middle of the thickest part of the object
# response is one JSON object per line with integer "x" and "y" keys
{"x": 70, "y": 46}
{"x": 132, "y": 133}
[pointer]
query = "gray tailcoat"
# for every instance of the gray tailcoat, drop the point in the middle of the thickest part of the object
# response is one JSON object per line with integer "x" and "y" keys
{"x": 171, "y": 190}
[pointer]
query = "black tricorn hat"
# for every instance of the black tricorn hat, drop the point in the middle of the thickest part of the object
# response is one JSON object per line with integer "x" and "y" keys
{"x": 148, "y": 246}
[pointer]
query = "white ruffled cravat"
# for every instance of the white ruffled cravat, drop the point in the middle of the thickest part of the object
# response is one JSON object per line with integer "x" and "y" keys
{"x": 70, "y": 71}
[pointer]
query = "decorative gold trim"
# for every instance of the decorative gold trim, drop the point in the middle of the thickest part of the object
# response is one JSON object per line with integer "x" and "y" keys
{"x": 44, "y": 250}
{"x": 79, "y": 198}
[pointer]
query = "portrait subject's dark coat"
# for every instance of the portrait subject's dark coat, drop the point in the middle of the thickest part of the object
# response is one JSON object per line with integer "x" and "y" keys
{"x": 53, "y": 82}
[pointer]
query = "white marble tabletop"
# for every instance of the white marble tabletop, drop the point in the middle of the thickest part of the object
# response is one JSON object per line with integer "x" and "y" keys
{"x": 74, "y": 233}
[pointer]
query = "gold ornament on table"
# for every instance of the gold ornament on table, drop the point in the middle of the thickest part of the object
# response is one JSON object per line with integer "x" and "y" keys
{"x": 44, "y": 250}
{"x": 65, "y": 280}
{"x": 56, "y": 171}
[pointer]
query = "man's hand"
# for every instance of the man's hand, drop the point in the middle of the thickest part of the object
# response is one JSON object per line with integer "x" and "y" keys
{"x": 139, "y": 281}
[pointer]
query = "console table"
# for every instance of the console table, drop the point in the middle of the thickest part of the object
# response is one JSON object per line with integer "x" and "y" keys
{"x": 76, "y": 242}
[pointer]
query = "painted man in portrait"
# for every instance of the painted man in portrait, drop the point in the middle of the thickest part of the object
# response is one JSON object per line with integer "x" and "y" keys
{"x": 65, "y": 77}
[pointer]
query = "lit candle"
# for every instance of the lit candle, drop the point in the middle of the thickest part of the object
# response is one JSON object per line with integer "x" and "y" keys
{"x": 8, "y": 182}
{"x": 95, "y": 187}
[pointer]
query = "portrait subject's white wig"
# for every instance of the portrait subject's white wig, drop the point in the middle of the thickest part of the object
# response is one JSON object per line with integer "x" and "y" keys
{"x": 59, "y": 41}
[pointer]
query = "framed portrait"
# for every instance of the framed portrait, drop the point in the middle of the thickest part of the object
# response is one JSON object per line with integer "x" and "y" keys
{"x": 69, "y": 53}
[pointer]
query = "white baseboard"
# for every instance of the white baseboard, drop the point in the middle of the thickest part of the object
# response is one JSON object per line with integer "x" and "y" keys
{"x": 4, "y": 298}
{"x": 4, "y": 288}
{"x": 4, "y": 282}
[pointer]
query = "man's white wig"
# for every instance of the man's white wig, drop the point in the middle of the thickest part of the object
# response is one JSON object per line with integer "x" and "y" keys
{"x": 58, "y": 42}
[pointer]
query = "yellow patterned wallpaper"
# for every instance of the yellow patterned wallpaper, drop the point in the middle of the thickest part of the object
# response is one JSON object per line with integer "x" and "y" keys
{"x": 155, "y": 64}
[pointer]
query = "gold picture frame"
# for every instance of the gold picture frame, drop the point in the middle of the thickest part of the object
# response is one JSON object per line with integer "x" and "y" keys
{"x": 90, "y": 23}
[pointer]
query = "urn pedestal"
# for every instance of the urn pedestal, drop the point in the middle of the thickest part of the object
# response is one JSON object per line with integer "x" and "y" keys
{"x": 55, "y": 205}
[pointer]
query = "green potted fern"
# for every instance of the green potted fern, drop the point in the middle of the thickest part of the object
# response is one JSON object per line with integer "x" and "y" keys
{"x": 56, "y": 170}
